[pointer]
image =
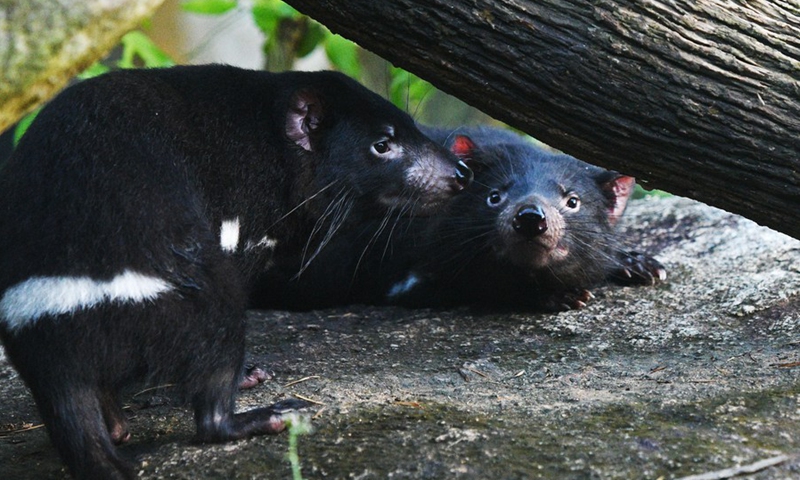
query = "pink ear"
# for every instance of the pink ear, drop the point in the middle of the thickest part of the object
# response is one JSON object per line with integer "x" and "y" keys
{"x": 619, "y": 190}
{"x": 462, "y": 147}
{"x": 303, "y": 118}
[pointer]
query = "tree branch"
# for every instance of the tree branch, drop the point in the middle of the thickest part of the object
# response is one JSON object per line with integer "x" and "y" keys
{"x": 44, "y": 43}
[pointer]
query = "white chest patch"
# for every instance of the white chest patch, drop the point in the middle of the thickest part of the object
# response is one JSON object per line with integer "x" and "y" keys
{"x": 404, "y": 286}
{"x": 26, "y": 302}
{"x": 229, "y": 235}
{"x": 266, "y": 242}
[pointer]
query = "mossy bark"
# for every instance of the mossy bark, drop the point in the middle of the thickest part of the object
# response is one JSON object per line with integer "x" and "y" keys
{"x": 44, "y": 43}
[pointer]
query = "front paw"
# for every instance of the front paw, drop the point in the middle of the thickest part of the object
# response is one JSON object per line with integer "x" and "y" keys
{"x": 575, "y": 299}
{"x": 636, "y": 268}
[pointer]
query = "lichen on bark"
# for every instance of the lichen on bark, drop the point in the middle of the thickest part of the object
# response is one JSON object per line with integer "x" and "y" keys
{"x": 44, "y": 43}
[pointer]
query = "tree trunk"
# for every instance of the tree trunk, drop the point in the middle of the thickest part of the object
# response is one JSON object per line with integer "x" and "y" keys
{"x": 697, "y": 97}
{"x": 44, "y": 43}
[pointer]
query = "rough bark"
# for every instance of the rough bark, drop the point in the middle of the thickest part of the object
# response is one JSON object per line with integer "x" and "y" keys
{"x": 698, "y": 97}
{"x": 44, "y": 43}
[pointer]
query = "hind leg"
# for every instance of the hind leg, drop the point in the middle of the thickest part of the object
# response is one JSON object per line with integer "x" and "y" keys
{"x": 60, "y": 362}
{"x": 116, "y": 421}
{"x": 75, "y": 421}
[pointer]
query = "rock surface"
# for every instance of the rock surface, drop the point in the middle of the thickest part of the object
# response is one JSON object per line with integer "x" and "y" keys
{"x": 698, "y": 374}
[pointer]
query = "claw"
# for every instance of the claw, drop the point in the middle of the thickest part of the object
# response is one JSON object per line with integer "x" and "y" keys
{"x": 627, "y": 273}
{"x": 662, "y": 274}
{"x": 638, "y": 269}
{"x": 290, "y": 405}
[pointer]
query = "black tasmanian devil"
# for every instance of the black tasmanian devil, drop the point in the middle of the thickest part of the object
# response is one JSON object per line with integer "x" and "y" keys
{"x": 140, "y": 205}
{"x": 534, "y": 230}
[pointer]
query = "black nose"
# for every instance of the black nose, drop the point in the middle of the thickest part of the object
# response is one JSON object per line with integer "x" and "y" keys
{"x": 464, "y": 175}
{"x": 530, "y": 221}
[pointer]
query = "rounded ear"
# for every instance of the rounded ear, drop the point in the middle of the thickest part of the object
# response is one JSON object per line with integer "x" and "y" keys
{"x": 462, "y": 147}
{"x": 617, "y": 188}
{"x": 304, "y": 118}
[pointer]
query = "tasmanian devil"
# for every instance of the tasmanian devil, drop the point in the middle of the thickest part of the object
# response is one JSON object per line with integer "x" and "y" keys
{"x": 541, "y": 228}
{"x": 534, "y": 230}
{"x": 140, "y": 205}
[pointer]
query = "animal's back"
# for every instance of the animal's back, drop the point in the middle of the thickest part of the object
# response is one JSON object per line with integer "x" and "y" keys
{"x": 107, "y": 178}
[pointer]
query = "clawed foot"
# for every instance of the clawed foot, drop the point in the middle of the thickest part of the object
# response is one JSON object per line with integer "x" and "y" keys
{"x": 253, "y": 375}
{"x": 638, "y": 269}
{"x": 568, "y": 300}
{"x": 280, "y": 413}
{"x": 215, "y": 428}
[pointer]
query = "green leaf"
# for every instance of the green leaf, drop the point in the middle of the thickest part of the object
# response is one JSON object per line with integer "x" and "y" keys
{"x": 287, "y": 11}
{"x": 641, "y": 192}
{"x": 419, "y": 90}
{"x": 22, "y": 125}
{"x": 94, "y": 70}
{"x": 314, "y": 35}
{"x": 343, "y": 54}
{"x": 407, "y": 91}
{"x": 267, "y": 14}
{"x": 137, "y": 44}
{"x": 208, "y": 7}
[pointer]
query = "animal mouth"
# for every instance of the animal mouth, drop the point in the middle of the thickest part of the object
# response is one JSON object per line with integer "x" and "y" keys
{"x": 390, "y": 199}
{"x": 393, "y": 200}
{"x": 559, "y": 253}
{"x": 428, "y": 205}
{"x": 420, "y": 203}
{"x": 538, "y": 253}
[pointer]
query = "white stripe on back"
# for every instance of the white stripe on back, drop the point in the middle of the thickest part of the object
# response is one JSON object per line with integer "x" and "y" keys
{"x": 26, "y": 302}
{"x": 404, "y": 286}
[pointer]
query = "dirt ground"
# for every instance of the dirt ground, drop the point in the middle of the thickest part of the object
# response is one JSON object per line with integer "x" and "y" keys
{"x": 696, "y": 375}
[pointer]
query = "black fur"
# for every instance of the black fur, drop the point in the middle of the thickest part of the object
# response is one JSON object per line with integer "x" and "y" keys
{"x": 470, "y": 253}
{"x": 136, "y": 170}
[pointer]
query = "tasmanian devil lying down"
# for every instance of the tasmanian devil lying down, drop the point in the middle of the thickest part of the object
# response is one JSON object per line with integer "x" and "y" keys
{"x": 534, "y": 230}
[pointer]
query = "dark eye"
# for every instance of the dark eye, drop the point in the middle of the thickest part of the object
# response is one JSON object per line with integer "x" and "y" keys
{"x": 381, "y": 147}
{"x": 495, "y": 198}
{"x": 573, "y": 202}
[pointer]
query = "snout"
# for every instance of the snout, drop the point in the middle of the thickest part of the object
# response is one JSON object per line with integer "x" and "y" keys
{"x": 530, "y": 221}
{"x": 533, "y": 233}
{"x": 435, "y": 177}
{"x": 463, "y": 176}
